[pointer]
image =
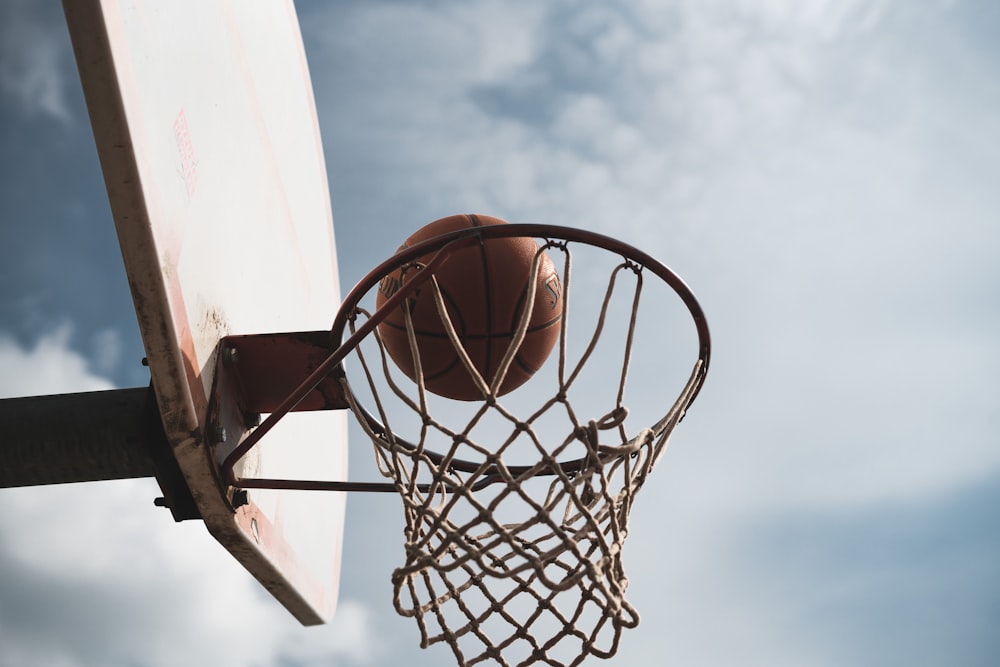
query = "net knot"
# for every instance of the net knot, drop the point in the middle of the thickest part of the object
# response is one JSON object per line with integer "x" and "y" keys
{"x": 613, "y": 419}
{"x": 589, "y": 434}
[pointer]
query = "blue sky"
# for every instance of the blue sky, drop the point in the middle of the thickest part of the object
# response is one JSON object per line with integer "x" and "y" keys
{"x": 823, "y": 174}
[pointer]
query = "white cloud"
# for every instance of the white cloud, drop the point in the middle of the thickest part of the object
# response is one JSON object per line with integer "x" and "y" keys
{"x": 139, "y": 588}
{"x": 107, "y": 348}
{"x": 49, "y": 367}
{"x": 350, "y": 634}
{"x": 795, "y": 160}
{"x": 31, "y": 64}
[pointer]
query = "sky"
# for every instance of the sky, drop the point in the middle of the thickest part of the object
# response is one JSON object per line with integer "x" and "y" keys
{"x": 822, "y": 174}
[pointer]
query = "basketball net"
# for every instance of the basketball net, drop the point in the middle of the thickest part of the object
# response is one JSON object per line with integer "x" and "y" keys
{"x": 514, "y": 536}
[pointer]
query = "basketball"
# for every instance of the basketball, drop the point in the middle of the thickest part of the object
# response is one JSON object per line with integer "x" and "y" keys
{"x": 485, "y": 289}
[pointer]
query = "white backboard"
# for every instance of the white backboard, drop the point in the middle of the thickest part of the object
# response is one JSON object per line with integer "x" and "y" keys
{"x": 206, "y": 128}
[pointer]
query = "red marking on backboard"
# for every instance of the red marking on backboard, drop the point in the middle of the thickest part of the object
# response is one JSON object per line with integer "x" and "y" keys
{"x": 185, "y": 149}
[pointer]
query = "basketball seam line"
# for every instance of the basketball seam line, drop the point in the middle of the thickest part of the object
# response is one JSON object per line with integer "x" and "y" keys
{"x": 487, "y": 294}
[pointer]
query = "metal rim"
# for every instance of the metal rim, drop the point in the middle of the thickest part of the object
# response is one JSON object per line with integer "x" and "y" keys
{"x": 551, "y": 233}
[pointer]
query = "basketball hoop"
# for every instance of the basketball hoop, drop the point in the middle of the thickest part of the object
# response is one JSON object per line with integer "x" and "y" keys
{"x": 516, "y": 507}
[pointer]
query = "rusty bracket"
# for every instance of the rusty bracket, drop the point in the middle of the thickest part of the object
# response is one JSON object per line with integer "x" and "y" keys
{"x": 263, "y": 369}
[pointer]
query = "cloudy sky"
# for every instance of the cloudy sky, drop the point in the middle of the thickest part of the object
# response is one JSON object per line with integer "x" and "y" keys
{"x": 823, "y": 174}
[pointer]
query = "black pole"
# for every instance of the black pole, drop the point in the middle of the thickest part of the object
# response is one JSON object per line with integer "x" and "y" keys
{"x": 89, "y": 437}
{"x": 74, "y": 438}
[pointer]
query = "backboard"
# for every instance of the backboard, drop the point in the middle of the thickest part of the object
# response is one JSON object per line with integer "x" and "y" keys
{"x": 206, "y": 128}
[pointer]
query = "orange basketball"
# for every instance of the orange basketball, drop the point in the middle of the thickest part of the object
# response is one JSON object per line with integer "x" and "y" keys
{"x": 485, "y": 288}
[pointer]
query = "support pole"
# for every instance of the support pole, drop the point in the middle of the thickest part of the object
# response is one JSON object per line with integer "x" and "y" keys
{"x": 81, "y": 437}
{"x": 89, "y": 437}
{"x": 74, "y": 438}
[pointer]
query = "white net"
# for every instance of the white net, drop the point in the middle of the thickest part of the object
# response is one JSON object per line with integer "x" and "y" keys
{"x": 517, "y": 511}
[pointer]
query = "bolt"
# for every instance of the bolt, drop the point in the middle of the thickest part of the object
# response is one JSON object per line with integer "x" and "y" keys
{"x": 240, "y": 498}
{"x": 161, "y": 502}
{"x": 230, "y": 355}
